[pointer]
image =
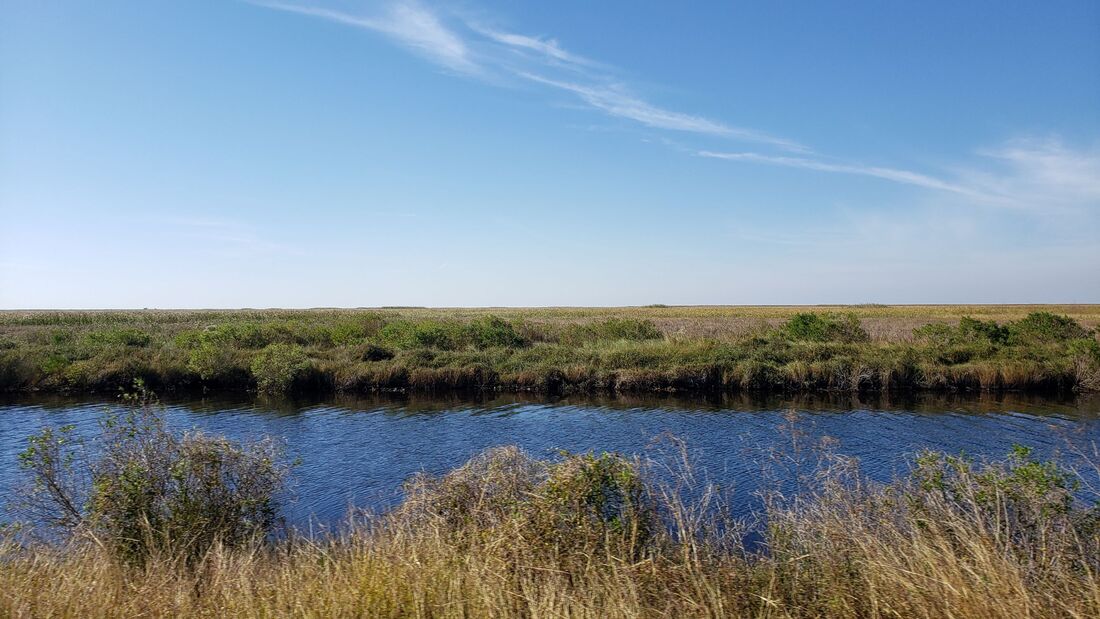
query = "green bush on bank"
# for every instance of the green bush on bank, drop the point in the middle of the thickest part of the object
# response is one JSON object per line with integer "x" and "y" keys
{"x": 407, "y": 334}
{"x": 493, "y": 332}
{"x": 580, "y": 500}
{"x": 612, "y": 329}
{"x": 140, "y": 490}
{"x": 1045, "y": 327}
{"x": 211, "y": 361}
{"x": 1017, "y": 497}
{"x": 1037, "y": 328}
{"x": 1085, "y": 355}
{"x": 277, "y": 366}
{"x": 825, "y": 328}
{"x": 482, "y": 333}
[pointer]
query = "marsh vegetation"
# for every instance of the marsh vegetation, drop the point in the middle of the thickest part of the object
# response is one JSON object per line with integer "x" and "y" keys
{"x": 656, "y": 348}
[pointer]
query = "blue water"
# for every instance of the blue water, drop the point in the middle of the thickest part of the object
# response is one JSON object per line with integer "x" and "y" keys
{"x": 356, "y": 452}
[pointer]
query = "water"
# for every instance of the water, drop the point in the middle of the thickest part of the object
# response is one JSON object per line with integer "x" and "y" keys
{"x": 356, "y": 452}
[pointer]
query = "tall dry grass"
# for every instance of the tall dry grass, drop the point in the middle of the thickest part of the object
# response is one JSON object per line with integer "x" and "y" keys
{"x": 510, "y": 536}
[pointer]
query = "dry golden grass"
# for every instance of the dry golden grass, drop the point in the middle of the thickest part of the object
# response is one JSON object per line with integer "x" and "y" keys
{"x": 846, "y": 549}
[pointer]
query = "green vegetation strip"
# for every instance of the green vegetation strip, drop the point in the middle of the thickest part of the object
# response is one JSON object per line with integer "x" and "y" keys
{"x": 570, "y": 350}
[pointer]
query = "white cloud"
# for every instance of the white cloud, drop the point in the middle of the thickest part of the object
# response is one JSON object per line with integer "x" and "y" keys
{"x": 1041, "y": 173}
{"x": 408, "y": 23}
{"x": 422, "y": 30}
{"x": 548, "y": 48}
{"x": 1025, "y": 174}
{"x": 616, "y": 101}
{"x": 891, "y": 174}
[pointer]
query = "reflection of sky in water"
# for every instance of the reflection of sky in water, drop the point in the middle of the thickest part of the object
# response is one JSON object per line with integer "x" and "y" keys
{"x": 357, "y": 451}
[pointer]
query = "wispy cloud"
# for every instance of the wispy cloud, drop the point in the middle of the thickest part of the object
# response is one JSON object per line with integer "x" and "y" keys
{"x": 1029, "y": 174}
{"x": 1041, "y": 173}
{"x": 547, "y": 48}
{"x": 891, "y": 174}
{"x": 616, "y": 101}
{"x": 407, "y": 23}
{"x": 481, "y": 50}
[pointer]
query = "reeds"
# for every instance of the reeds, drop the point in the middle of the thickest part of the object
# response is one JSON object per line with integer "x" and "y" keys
{"x": 510, "y": 536}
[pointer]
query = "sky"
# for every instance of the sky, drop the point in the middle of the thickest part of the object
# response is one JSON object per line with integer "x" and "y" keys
{"x": 337, "y": 153}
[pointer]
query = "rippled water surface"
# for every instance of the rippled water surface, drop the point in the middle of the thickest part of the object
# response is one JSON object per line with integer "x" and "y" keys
{"x": 356, "y": 452}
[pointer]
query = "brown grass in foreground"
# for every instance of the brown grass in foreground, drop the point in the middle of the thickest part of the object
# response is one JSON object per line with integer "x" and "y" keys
{"x": 600, "y": 536}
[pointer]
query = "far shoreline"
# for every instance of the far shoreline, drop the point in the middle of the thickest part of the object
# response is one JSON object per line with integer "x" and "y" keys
{"x": 655, "y": 349}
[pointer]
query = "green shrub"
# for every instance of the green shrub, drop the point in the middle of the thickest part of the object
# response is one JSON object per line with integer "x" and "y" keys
{"x": 407, "y": 334}
{"x": 969, "y": 331}
{"x": 211, "y": 360}
{"x": 481, "y": 333}
{"x": 812, "y": 327}
{"x": 59, "y": 337}
{"x": 611, "y": 329}
{"x": 604, "y": 494}
{"x": 436, "y": 335}
{"x": 1087, "y": 349}
{"x": 1046, "y": 327}
{"x": 493, "y": 332}
{"x": 55, "y": 363}
{"x": 188, "y": 339}
{"x": 1085, "y": 355}
{"x": 580, "y": 500}
{"x": 345, "y": 333}
{"x": 277, "y": 366}
{"x": 119, "y": 337}
{"x": 253, "y": 335}
{"x": 139, "y": 489}
{"x": 245, "y": 334}
{"x": 400, "y": 334}
{"x": 1018, "y": 495}
{"x": 974, "y": 330}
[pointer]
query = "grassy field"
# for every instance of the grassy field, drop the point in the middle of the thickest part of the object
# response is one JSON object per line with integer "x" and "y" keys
{"x": 590, "y": 535}
{"x": 556, "y": 350}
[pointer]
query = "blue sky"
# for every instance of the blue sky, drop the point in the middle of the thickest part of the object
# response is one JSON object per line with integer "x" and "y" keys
{"x": 300, "y": 153}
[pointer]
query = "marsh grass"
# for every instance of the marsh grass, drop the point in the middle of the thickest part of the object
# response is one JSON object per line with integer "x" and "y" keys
{"x": 601, "y": 535}
{"x": 560, "y": 350}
